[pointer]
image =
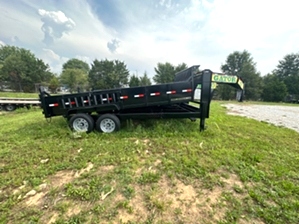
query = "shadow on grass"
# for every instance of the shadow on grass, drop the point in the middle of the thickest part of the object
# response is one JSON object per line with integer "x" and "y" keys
{"x": 159, "y": 127}
{"x": 58, "y": 128}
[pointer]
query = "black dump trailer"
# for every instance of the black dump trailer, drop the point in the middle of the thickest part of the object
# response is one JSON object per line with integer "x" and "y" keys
{"x": 104, "y": 109}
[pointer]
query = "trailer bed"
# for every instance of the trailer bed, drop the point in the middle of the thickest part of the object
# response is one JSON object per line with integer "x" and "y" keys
{"x": 10, "y": 103}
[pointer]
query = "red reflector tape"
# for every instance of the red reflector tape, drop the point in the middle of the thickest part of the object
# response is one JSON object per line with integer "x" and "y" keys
{"x": 53, "y": 105}
{"x": 123, "y": 97}
{"x": 171, "y": 92}
{"x": 67, "y": 103}
{"x": 105, "y": 99}
{"x": 139, "y": 95}
{"x": 85, "y": 101}
{"x": 187, "y": 90}
{"x": 155, "y": 94}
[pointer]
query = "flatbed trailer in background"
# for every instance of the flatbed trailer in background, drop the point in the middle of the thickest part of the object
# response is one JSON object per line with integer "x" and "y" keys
{"x": 104, "y": 109}
{"x": 10, "y": 104}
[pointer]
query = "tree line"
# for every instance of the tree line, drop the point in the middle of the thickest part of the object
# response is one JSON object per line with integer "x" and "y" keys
{"x": 282, "y": 84}
{"x": 23, "y": 71}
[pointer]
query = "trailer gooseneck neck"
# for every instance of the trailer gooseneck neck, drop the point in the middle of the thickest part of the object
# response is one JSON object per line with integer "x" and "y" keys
{"x": 104, "y": 109}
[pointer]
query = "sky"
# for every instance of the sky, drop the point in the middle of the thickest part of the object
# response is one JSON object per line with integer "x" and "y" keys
{"x": 142, "y": 33}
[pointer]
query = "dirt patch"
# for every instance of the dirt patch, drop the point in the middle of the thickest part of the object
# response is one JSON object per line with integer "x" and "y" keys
{"x": 191, "y": 203}
{"x": 168, "y": 200}
{"x": 61, "y": 178}
{"x": 39, "y": 197}
{"x": 36, "y": 199}
{"x": 58, "y": 180}
{"x": 53, "y": 218}
{"x": 140, "y": 212}
{"x": 173, "y": 201}
{"x": 232, "y": 181}
{"x": 84, "y": 170}
{"x": 104, "y": 169}
{"x": 75, "y": 210}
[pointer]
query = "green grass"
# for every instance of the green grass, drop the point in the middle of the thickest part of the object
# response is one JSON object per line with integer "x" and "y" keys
{"x": 18, "y": 95}
{"x": 162, "y": 171}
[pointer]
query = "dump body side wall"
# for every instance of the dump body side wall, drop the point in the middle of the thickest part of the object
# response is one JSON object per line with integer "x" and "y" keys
{"x": 118, "y": 99}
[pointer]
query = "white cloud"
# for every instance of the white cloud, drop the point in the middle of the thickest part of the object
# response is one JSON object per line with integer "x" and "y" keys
{"x": 196, "y": 31}
{"x": 205, "y": 33}
{"x": 52, "y": 59}
{"x": 2, "y": 43}
{"x": 55, "y": 24}
{"x": 19, "y": 20}
{"x": 113, "y": 45}
{"x": 84, "y": 58}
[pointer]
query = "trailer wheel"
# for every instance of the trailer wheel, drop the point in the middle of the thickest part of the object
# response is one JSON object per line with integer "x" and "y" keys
{"x": 81, "y": 123}
{"x": 10, "y": 107}
{"x": 1, "y": 107}
{"x": 108, "y": 123}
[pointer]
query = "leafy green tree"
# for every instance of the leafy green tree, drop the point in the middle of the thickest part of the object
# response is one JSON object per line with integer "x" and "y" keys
{"x": 22, "y": 69}
{"x": 288, "y": 71}
{"x": 134, "y": 81}
{"x": 145, "y": 80}
{"x": 274, "y": 90}
{"x": 75, "y": 63}
{"x": 54, "y": 84}
{"x": 107, "y": 74}
{"x": 74, "y": 78}
{"x": 288, "y": 66}
{"x": 13, "y": 70}
{"x": 6, "y": 51}
{"x": 180, "y": 67}
{"x": 166, "y": 72}
{"x": 242, "y": 64}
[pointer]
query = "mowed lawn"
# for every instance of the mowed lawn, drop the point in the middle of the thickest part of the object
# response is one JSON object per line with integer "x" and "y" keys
{"x": 162, "y": 171}
{"x": 18, "y": 95}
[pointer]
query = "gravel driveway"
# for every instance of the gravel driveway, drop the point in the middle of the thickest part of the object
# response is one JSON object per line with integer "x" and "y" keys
{"x": 287, "y": 116}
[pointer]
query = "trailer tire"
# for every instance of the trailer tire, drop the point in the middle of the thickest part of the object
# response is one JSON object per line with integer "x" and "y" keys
{"x": 108, "y": 123}
{"x": 81, "y": 123}
{"x": 10, "y": 107}
{"x": 1, "y": 107}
